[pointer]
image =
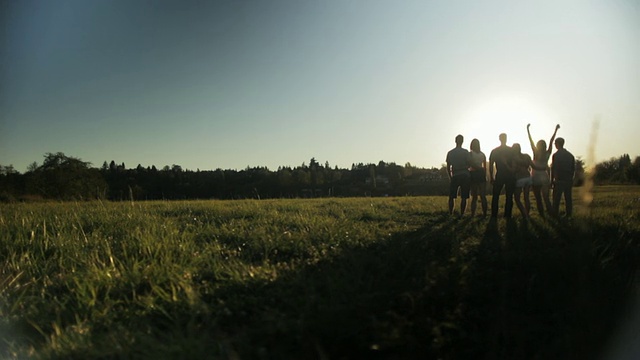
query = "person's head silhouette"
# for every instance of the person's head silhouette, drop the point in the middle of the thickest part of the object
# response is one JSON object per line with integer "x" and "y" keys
{"x": 475, "y": 145}
{"x": 516, "y": 147}
{"x": 503, "y": 138}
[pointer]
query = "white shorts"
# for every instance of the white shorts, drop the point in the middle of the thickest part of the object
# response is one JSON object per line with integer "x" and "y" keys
{"x": 541, "y": 178}
{"x": 525, "y": 181}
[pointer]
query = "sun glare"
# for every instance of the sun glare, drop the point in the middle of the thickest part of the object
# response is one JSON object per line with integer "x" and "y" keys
{"x": 507, "y": 114}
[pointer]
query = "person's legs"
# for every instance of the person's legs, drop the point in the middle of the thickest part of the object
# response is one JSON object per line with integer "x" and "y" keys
{"x": 516, "y": 195}
{"x": 568, "y": 199}
{"x": 483, "y": 198}
{"x": 557, "y": 193}
{"x": 465, "y": 183}
{"x": 544, "y": 190}
{"x": 497, "y": 187}
{"x": 537, "y": 194}
{"x": 474, "y": 198}
{"x": 453, "y": 192}
{"x": 509, "y": 187}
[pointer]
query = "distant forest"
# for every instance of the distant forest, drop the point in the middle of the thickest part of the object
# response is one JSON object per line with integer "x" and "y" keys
{"x": 62, "y": 177}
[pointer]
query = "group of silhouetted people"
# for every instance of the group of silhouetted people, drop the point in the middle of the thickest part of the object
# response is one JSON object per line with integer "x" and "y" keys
{"x": 515, "y": 172}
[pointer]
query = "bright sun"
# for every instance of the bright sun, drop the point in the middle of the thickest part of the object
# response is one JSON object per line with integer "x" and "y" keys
{"x": 508, "y": 114}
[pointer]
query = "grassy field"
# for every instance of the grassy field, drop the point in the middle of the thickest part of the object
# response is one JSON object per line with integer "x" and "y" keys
{"x": 323, "y": 278}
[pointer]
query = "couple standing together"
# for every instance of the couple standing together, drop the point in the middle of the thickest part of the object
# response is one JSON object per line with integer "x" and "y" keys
{"x": 514, "y": 171}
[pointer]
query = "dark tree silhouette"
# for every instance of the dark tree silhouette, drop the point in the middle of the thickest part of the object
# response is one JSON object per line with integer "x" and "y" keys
{"x": 68, "y": 178}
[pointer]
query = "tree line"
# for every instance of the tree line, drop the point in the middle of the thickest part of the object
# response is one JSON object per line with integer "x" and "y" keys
{"x": 63, "y": 177}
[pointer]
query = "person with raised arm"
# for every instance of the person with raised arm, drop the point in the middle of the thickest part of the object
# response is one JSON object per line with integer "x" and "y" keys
{"x": 540, "y": 171}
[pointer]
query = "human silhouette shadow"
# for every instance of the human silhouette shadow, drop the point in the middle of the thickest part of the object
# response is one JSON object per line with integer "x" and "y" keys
{"x": 554, "y": 299}
{"x": 451, "y": 289}
{"x": 516, "y": 289}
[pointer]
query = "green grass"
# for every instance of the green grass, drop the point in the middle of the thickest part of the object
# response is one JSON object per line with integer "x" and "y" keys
{"x": 322, "y": 278}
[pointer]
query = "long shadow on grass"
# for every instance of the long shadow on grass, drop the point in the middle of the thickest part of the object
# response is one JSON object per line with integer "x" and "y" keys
{"x": 453, "y": 289}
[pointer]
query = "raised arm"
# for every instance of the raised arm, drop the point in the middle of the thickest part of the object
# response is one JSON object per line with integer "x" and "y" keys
{"x": 533, "y": 146}
{"x": 553, "y": 137}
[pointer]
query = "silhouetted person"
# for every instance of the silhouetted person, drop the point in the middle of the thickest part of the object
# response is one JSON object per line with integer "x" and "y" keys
{"x": 522, "y": 170}
{"x": 540, "y": 172}
{"x": 502, "y": 158}
{"x": 563, "y": 169}
{"x": 478, "y": 171}
{"x": 458, "y": 170}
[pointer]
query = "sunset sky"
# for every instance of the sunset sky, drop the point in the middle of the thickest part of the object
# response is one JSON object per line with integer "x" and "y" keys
{"x": 231, "y": 84}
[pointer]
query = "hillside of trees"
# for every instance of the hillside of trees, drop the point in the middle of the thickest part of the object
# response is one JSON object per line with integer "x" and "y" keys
{"x": 62, "y": 177}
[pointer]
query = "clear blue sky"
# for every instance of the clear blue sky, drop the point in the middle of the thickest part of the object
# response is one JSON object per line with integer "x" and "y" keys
{"x": 230, "y": 84}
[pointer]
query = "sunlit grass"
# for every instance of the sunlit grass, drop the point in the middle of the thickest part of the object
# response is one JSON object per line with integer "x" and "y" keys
{"x": 310, "y": 278}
